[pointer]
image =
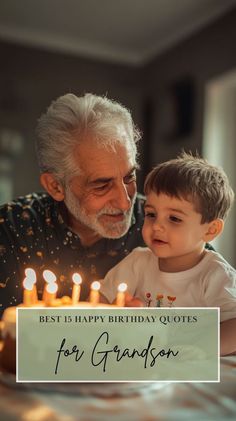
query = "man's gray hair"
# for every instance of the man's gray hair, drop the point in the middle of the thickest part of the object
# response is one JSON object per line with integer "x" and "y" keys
{"x": 66, "y": 123}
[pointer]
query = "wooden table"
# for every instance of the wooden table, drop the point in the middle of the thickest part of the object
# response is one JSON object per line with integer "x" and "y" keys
{"x": 122, "y": 402}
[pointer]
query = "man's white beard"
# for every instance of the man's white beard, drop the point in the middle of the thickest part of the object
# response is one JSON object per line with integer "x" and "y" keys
{"x": 104, "y": 229}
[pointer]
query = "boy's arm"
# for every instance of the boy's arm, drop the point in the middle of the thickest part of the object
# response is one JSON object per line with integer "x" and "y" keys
{"x": 228, "y": 337}
{"x": 131, "y": 301}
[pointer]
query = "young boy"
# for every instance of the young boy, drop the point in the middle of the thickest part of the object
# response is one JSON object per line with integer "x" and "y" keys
{"x": 187, "y": 202}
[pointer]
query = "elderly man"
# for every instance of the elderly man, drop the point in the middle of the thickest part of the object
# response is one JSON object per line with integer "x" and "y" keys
{"x": 90, "y": 217}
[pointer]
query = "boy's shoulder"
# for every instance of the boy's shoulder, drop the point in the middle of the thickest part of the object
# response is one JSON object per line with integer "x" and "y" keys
{"x": 141, "y": 259}
{"x": 138, "y": 257}
{"x": 219, "y": 265}
{"x": 141, "y": 253}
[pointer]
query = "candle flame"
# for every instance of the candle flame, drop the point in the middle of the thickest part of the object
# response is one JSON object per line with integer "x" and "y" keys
{"x": 49, "y": 276}
{"x": 30, "y": 273}
{"x": 28, "y": 284}
{"x": 52, "y": 288}
{"x": 76, "y": 278}
{"x": 96, "y": 285}
{"x": 122, "y": 287}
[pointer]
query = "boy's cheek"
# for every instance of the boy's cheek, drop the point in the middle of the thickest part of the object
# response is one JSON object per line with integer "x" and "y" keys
{"x": 146, "y": 235}
{"x": 144, "y": 231}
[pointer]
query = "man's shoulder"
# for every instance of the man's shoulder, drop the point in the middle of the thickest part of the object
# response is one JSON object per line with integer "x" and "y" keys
{"x": 26, "y": 209}
{"x": 30, "y": 201}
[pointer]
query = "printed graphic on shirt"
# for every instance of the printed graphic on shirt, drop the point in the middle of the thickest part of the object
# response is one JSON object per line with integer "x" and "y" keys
{"x": 160, "y": 300}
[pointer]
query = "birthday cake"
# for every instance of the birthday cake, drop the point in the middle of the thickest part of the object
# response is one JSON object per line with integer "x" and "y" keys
{"x": 8, "y": 353}
{"x": 30, "y": 299}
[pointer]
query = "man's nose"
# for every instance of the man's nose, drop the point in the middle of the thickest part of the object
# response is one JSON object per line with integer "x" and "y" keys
{"x": 122, "y": 199}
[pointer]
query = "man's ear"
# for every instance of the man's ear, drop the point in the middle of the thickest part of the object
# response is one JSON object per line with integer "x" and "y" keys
{"x": 52, "y": 186}
{"x": 214, "y": 228}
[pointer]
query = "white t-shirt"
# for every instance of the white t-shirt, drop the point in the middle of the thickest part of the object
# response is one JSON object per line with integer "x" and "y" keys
{"x": 211, "y": 283}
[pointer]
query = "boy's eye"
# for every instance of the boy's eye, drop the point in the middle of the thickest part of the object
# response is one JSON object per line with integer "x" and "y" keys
{"x": 150, "y": 215}
{"x": 175, "y": 219}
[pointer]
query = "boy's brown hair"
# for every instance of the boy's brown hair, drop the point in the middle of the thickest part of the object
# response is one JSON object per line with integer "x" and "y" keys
{"x": 194, "y": 179}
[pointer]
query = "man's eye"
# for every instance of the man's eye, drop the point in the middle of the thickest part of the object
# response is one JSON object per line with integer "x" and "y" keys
{"x": 101, "y": 188}
{"x": 175, "y": 219}
{"x": 130, "y": 178}
{"x": 150, "y": 215}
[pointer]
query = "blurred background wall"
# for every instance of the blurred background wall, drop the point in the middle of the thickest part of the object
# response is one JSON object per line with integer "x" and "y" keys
{"x": 31, "y": 79}
{"x": 172, "y": 63}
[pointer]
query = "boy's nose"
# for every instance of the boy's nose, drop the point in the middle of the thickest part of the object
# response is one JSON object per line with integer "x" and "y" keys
{"x": 158, "y": 226}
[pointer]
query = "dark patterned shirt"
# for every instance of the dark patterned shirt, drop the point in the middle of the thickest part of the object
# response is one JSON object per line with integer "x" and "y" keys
{"x": 34, "y": 234}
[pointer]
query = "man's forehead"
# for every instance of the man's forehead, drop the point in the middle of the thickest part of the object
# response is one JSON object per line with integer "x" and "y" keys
{"x": 105, "y": 174}
{"x": 102, "y": 162}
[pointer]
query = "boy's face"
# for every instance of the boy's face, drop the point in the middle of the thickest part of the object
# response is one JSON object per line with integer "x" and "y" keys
{"x": 172, "y": 228}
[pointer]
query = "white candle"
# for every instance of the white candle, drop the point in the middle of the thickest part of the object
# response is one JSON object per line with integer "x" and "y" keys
{"x": 28, "y": 292}
{"x": 94, "y": 293}
{"x": 120, "y": 298}
{"x": 50, "y": 278}
{"x": 50, "y": 293}
{"x": 31, "y": 275}
{"x": 76, "y": 288}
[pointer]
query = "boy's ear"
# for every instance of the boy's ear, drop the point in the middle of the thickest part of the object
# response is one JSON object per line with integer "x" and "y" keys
{"x": 214, "y": 228}
{"x": 52, "y": 186}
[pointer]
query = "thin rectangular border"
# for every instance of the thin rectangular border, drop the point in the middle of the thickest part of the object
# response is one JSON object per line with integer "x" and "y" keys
{"x": 114, "y": 309}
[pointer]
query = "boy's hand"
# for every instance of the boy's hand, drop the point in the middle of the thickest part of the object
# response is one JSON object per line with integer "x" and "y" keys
{"x": 131, "y": 301}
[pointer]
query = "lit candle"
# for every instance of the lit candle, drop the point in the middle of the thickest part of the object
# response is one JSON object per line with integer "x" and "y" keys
{"x": 120, "y": 298}
{"x": 28, "y": 292}
{"x": 76, "y": 288}
{"x": 31, "y": 275}
{"x": 50, "y": 293}
{"x": 50, "y": 278}
{"x": 94, "y": 293}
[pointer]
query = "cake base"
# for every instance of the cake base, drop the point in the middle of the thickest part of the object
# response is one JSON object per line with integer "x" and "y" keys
{"x": 8, "y": 354}
{"x": 8, "y": 328}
